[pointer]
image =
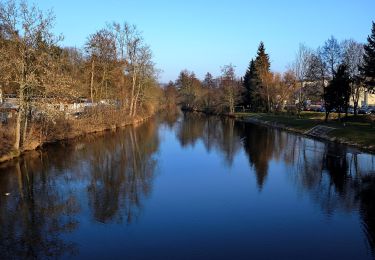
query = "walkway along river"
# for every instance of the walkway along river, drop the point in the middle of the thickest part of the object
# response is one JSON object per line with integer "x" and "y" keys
{"x": 189, "y": 186}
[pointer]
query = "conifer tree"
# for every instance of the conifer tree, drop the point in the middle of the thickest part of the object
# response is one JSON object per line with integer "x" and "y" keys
{"x": 249, "y": 83}
{"x": 262, "y": 67}
{"x": 368, "y": 68}
{"x": 337, "y": 93}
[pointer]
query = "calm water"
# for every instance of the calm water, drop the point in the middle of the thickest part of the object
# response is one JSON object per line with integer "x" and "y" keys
{"x": 190, "y": 187}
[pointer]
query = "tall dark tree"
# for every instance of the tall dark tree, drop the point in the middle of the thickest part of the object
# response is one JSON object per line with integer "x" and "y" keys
{"x": 337, "y": 93}
{"x": 368, "y": 68}
{"x": 249, "y": 84}
{"x": 210, "y": 93}
{"x": 208, "y": 81}
{"x": 256, "y": 81}
{"x": 262, "y": 67}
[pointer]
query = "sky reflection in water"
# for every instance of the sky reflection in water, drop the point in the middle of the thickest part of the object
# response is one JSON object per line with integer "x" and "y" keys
{"x": 190, "y": 186}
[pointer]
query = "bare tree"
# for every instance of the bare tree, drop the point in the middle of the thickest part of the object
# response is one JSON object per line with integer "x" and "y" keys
{"x": 230, "y": 87}
{"x": 353, "y": 58}
{"x": 146, "y": 71}
{"x": 101, "y": 48}
{"x": 332, "y": 55}
{"x": 317, "y": 74}
{"x": 290, "y": 83}
{"x": 301, "y": 70}
{"x": 28, "y": 51}
{"x": 189, "y": 88}
{"x": 134, "y": 43}
{"x": 283, "y": 89}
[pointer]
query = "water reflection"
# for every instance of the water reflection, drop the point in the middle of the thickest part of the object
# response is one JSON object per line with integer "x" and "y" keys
{"x": 122, "y": 171}
{"x": 36, "y": 211}
{"x": 336, "y": 178}
{"x": 260, "y": 146}
{"x": 45, "y": 196}
{"x": 106, "y": 179}
{"x": 219, "y": 134}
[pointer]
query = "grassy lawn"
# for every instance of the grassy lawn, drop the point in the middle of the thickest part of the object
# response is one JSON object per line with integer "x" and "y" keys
{"x": 360, "y": 129}
{"x": 360, "y": 133}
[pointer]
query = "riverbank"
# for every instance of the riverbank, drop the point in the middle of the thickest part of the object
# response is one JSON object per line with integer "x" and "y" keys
{"x": 74, "y": 128}
{"x": 357, "y": 131}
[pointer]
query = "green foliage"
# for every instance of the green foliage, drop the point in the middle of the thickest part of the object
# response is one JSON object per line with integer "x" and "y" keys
{"x": 368, "y": 68}
{"x": 249, "y": 83}
{"x": 255, "y": 80}
{"x": 337, "y": 93}
{"x": 262, "y": 61}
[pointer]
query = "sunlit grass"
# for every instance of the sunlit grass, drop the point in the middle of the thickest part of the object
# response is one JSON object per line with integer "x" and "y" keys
{"x": 359, "y": 129}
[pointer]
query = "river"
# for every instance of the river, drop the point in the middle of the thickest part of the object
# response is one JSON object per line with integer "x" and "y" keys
{"x": 189, "y": 187}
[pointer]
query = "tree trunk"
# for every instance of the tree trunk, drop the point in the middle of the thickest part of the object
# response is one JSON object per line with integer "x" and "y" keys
{"x": 136, "y": 101}
{"x": 24, "y": 133}
{"x": 1, "y": 94}
{"x": 355, "y": 98}
{"x": 134, "y": 78}
{"x": 17, "y": 142}
{"x": 92, "y": 81}
{"x": 104, "y": 84}
{"x": 20, "y": 119}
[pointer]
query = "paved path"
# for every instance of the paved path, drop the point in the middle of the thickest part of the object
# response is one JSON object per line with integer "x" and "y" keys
{"x": 319, "y": 130}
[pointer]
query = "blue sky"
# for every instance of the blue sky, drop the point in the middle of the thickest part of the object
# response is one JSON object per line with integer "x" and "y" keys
{"x": 205, "y": 35}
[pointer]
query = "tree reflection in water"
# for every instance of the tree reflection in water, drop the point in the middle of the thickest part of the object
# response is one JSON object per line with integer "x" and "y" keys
{"x": 216, "y": 133}
{"x": 36, "y": 211}
{"x": 45, "y": 196}
{"x": 122, "y": 169}
{"x": 108, "y": 178}
{"x": 337, "y": 179}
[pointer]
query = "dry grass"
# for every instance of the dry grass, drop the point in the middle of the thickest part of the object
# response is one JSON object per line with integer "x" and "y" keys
{"x": 62, "y": 127}
{"x": 6, "y": 138}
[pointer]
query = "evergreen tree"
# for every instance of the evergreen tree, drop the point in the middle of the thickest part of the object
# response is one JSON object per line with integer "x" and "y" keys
{"x": 262, "y": 61}
{"x": 249, "y": 84}
{"x": 210, "y": 92}
{"x": 208, "y": 81}
{"x": 337, "y": 93}
{"x": 368, "y": 68}
{"x": 262, "y": 68}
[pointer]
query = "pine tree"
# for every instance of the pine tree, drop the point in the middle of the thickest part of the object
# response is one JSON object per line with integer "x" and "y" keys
{"x": 255, "y": 81}
{"x": 262, "y": 61}
{"x": 208, "y": 81}
{"x": 337, "y": 93}
{"x": 368, "y": 68}
{"x": 262, "y": 67}
{"x": 249, "y": 83}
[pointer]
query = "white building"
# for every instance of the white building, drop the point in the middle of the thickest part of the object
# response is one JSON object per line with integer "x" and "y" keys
{"x": 365, "y": 99}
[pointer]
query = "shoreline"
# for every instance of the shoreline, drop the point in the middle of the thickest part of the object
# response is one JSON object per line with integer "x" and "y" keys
{"x": 303, "y": 132}
{"x": 14, "y": 155}
{"x": 325, "y": 138}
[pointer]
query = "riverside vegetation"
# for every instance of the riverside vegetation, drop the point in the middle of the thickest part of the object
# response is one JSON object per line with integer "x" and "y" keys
{"x": 333, "y": 79}
{"x": 49, "y": 92}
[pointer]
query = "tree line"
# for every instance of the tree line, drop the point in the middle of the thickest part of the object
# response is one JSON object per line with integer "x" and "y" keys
{"x": 113, "y": 71}
{"x": 333, "y": 74}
